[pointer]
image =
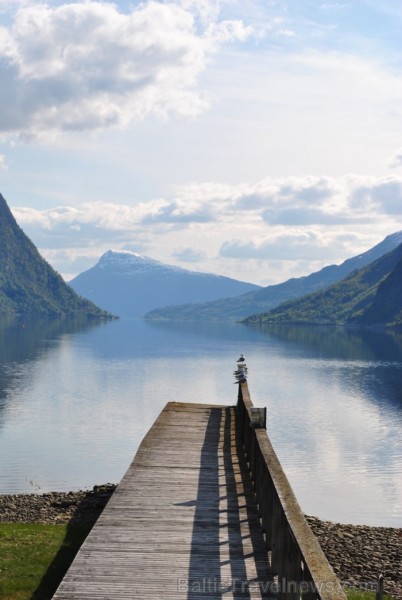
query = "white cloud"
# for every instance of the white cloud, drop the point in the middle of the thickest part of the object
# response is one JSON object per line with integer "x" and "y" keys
{"x": 306, "y": 111}
{"x": 388, "y": 194}
{"x": 243, "y": 231}
{"x": 291, "y": 246}
{"x": 86, "y": 65}
{"x": 227, "y": 31}
{"x": 396, "y": 159}
{"x": 189, "y": 255}
{"x": 3, "y": 163}
{"x": 307, "y": 216}
{"x": 304, "y": 200}
{"x": 381, "y": 195}
{"x": 178, "y": 212}
{"x": 206, "y": 10}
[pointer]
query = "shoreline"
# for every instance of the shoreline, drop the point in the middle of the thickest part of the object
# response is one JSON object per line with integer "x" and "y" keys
{"x": 357, "y": 553}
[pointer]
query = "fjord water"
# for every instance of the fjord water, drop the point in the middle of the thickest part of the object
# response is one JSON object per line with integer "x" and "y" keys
{"x": 76, "y": 399}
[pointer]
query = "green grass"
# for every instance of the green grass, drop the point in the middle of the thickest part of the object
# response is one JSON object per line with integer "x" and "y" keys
{"x": 361, "y": 595}
{"x": 35, "y": 557}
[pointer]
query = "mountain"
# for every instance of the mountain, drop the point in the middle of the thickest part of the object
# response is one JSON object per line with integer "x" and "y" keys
{"x": 28, "y": 284}
{"x": 129, "y": 285}
{"x": 369, "y": 295}
{"x": 269, "y": 297}
{"x": 386, "y": 306}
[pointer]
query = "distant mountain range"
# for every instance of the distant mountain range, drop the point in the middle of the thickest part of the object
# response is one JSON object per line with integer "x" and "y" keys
{"x": 28, "y": 284}
{"x": 129, "y": 285}
{"x": 264, "y": 299}
{"x": 370, "y": 296}
{"x": 366, "y": 289}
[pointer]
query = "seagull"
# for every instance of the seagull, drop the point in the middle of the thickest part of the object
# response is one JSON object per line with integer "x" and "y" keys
{"x": 240, "y": 370}
{"x": 241, "y": 359}
{"x": 240, "y": 374}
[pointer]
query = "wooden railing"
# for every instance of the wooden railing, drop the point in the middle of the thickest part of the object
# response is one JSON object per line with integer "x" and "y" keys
{"x": 297, "y": 560}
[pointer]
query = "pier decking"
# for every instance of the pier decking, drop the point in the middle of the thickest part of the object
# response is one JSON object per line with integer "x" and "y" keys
{"x": 183, "y": 522}
{"x": 205, "y": 511}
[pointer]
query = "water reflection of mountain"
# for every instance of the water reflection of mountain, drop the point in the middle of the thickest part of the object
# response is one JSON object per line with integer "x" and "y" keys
{"x": 218, "y": 330}
{"x": 340, "y": 342}
{"x": 23, "y": 341}
{"x": 380, "y": 351}
{"x": 139, "y": 339}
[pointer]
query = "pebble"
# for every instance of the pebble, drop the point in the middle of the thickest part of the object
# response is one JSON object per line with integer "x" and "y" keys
{"x": 357, "y": 553}
{"x": 83, "y": 506}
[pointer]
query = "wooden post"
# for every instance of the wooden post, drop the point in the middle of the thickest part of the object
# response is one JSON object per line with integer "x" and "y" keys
{"x": 380, "y": 587}
{"x": 292, "y": 568}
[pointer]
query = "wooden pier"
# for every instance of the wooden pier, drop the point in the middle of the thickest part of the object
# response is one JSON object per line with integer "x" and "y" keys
{"x": 184, "y": 523}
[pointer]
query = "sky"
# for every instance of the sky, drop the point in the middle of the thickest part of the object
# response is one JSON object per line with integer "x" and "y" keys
{"x": 257, "y": 139}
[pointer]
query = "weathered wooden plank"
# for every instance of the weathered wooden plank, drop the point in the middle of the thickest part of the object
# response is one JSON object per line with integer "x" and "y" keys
{"x": 183, "y": 522}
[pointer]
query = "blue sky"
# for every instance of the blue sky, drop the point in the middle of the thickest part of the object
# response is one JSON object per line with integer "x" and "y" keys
{"x": 256, "y": 139}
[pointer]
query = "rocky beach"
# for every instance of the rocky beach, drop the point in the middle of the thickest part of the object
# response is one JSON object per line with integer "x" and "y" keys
{"x": 357, "y": 553}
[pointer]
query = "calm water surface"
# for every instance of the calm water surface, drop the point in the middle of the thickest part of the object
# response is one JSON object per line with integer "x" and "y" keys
{"x": 75, "y": 402}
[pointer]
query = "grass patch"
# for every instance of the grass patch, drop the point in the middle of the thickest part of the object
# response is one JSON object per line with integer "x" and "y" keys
{"x": 352, "y": 594}
{"x": 34, "y": 557}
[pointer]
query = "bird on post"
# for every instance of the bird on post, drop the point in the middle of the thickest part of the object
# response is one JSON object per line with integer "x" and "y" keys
{"x": 241, "y": 372}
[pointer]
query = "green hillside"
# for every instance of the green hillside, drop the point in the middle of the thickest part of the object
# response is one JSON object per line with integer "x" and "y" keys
{"x": 386, "y": 306}
{"x": 28, "y": 284}
{"x": 368, "y": 296}
{"x": 267, "y": 298}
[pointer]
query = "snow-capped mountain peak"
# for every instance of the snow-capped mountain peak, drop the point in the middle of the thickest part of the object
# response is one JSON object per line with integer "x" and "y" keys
{"x": 130, "y": 263}
{"x": 116, "y": 258}
{"x": 133, "y": 284}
